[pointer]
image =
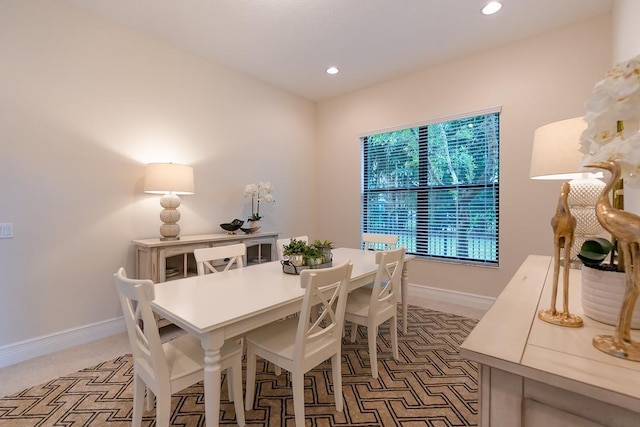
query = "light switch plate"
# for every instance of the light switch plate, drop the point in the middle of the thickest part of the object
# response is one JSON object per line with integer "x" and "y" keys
{"x": 6, "y": 230}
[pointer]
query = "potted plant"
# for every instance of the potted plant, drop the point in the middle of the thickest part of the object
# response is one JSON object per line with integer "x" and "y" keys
{"x": 261, "y": 192}
{"x": 612, "y": 138}
{"x": 324, "y": 246}
{"x": 313, "y": 256}
{"x": 603, "y": 282}
{"x": 295, "y": 250}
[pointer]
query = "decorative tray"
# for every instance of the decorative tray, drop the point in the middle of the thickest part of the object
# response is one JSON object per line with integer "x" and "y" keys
{"x": 289, "y": 268}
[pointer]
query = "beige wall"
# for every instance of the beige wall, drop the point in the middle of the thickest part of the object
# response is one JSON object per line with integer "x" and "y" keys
{"x": 83, "y": 106}
{"x": 536, "y": 81}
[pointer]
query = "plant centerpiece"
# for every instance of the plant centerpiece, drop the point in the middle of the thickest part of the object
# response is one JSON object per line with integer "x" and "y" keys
{"x": 300, "y": 254}
{"x": 260, "y": 192}
{"x": 612, "y": 142}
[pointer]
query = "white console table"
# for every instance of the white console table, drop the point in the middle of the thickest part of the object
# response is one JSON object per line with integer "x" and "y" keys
{"x": 154, "y": 256}
{"x": 533, "y": 373}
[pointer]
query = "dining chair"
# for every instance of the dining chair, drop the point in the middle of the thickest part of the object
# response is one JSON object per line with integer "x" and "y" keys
{"x": 281, "y": 243}
{"x": 166, "y": 368}
{"x": 375, "y": 241}
{"x": 300, "y": 344}
{"x": 372, "y": 307}
{"x": 231, "y": 254}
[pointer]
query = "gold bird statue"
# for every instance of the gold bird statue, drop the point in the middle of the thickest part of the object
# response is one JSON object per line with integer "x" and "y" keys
{"x": 625, "y": 227}
{"x": 564, "y": 225}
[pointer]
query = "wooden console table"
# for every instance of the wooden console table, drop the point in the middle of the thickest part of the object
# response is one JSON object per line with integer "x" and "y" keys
{"x": 154, "y": 256}
{"x": 532, "y": 373}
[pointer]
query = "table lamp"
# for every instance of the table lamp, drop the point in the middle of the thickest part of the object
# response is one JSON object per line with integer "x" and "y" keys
{"x": 556, "y": 155}
{"x": 170, "y": 180}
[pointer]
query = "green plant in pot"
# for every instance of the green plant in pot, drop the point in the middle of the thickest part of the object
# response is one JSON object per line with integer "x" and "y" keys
{"x": 313, "y": 256}
{"x": 295, "y": 250}
{"x": 603, "y": 282}
{"x": 324, "y": 246}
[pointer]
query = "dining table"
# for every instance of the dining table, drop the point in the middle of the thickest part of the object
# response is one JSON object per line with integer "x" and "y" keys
{"x": 221, "y": 306}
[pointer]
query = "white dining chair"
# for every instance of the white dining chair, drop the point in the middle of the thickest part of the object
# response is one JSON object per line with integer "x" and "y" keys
{"x": 281, "y": 243}
{"x": 229, "y": 254}
{"x": 376, "y": 241}
{"x": 206, "y": 263}
{"x": 166, "y": 368}
{"x": 300, "y": 344}
{"x": 372, "y": 307}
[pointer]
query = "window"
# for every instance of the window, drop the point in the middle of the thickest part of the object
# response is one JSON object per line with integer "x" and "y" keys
{"x": 436, "y": 186}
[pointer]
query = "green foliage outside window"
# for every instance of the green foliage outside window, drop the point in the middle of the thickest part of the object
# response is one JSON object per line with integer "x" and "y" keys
{"x": 436, "y": 187}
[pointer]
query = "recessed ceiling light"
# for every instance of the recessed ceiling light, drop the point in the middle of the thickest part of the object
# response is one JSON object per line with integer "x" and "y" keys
{"x": 332, "y": 70}
{"x": 491, "y": 7}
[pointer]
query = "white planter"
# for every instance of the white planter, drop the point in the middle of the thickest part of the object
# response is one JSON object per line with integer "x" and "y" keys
{"x": 602, "y": 295}
{"x": 253, "y": 225}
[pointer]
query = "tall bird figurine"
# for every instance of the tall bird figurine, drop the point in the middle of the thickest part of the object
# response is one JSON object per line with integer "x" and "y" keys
{"x": 625, "y": 227}
{"x": 563, "y": 224}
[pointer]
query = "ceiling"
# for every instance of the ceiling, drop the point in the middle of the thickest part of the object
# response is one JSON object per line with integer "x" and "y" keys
{"x": 290, "y": 43}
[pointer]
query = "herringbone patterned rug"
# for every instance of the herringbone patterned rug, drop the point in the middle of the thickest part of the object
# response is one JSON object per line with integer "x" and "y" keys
{"x": 429, "y": 386}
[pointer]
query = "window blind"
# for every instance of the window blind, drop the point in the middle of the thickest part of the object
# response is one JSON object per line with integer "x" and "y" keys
{"x": 437, "y": 187}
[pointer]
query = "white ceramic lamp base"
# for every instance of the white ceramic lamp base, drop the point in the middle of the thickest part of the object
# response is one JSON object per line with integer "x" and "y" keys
{"x": 170, "y": 216}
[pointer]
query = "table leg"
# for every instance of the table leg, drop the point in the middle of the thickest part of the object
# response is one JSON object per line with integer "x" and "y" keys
{"x": 404, "y": 291}
{"x": 212, "y": 378}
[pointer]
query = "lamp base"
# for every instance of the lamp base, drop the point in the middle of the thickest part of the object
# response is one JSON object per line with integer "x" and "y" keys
{"x": 582, "y": 201}
{"x": 170, "y": 215}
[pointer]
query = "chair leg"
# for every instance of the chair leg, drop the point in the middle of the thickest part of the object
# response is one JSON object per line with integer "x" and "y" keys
{"x": 372, "y": 333}
{"x": 354, "y": 331}
{"x": 337, "y": 380}
{"x": 236, "y": 377}
{"x": 251, "y": 378}
{"x": 298, "y": 396}
{"x": 138, "y": 397}
{"x": 230, "y": 381}
{"x": 163, "y": 408}
{"x": 150, "y": 399}
{"x": 394, "y": 336}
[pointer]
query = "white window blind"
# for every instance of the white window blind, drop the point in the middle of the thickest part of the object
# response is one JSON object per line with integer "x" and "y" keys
{"x": 436, "y": 186}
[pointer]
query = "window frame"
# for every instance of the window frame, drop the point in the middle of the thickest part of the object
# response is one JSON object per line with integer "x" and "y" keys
{"x": 418, "y": 237}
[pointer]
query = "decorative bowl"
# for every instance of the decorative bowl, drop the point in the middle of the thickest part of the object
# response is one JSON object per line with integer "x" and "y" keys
{"x": 233, "y": 226}
{"x": 250, "y": 230}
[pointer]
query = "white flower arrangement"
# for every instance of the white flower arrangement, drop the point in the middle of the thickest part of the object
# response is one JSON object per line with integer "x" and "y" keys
{"x": 261, "y": 192}
{"x": 613, "y": 121}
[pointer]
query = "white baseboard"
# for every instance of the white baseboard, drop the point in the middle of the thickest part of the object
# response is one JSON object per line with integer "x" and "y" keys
{"x": 25, "y": 350}
{"x": 480, "y": 302}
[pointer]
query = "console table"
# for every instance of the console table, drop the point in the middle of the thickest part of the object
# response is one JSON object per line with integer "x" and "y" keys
{"x": 533, "y": 373}
{"x": 155, "y": 256}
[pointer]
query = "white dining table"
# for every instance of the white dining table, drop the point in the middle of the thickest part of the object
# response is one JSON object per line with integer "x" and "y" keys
{"x": 220, "y": 306}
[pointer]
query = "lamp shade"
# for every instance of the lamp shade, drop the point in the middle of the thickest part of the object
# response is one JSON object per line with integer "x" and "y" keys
{"x": 556, "y": 153}
{"x": 161, "y": 178}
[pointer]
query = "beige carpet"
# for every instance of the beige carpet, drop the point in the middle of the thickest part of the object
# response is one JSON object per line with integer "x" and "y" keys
{"x": 429, "y": 386}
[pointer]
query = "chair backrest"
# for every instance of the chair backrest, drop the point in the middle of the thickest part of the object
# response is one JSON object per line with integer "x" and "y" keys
{"x": 206, "y": 256}
{"x": 328, "y": 288}
{"x": 144, "y": 338}
{"x": 375, "y": 242}
{"x": 281, "y": 243}
{"x": 384, "y": 294}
